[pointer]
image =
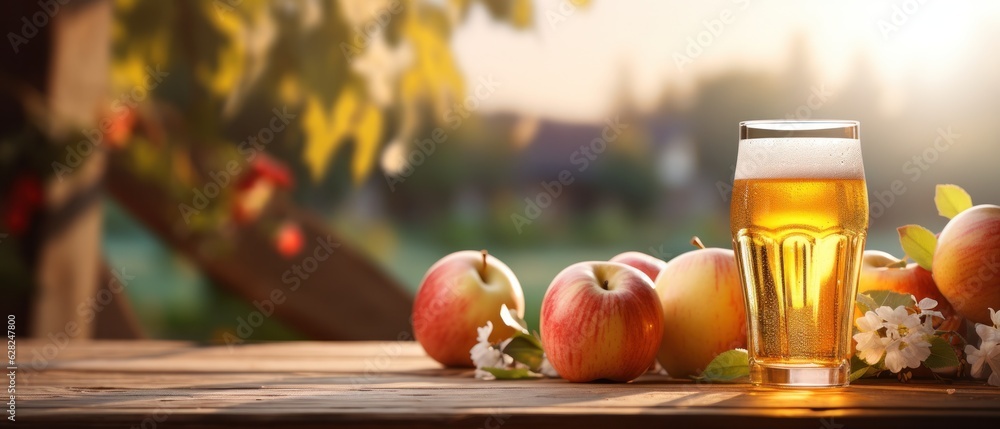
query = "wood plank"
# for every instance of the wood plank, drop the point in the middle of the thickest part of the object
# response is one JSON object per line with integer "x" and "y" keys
{"x": 323, "y": 397}
{"x": 311, "y": 384}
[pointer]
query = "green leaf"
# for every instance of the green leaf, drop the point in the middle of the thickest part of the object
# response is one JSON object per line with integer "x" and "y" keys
{"x": 918, "y": 243}
{"x": 942, "y": 354}
{"x": 860, "y": 368}
{"x": 858, "y": 374}
{"x": 728, "y": 366}
{"x": 890, "y": 299}
{"x": 512, "y": 374}
{"x": 951, "y": 200}
{"x": 952, "y": 336}
{"x": 526, "y": 349}
{"x": 865, "y": 303}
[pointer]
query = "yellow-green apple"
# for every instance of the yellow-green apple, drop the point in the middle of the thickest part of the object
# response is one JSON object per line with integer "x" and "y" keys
{"x": 966, "y": 264}
{"x": 649, "y": 265}
{"x": 600, "y": 321}
{"x": 704, "y": 313}
{"x": 460, "y": 293}
{"x": 882, "y": 271}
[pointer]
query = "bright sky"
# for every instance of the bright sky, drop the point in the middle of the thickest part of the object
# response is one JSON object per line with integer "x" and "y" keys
{"x": 569, "y": 65}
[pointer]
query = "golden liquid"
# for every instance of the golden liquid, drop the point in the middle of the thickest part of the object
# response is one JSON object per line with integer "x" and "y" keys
{"x": 799, "y": 245}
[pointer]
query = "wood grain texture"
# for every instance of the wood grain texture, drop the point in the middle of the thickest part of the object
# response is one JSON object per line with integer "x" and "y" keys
{"x": 393, "y": 384}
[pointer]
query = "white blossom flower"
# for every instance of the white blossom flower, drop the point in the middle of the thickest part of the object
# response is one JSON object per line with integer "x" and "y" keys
{"x": 993, "y": 358}
{"x": 978, "y": 358}
{"x": 484, "y": 375}
{"x": 988, "y": 333}
{"x": 899, "y": 322}
{"x": 907, "y": 352}
{"x": 926, "y": 308}
{"x": 483, "y": 354}
{"x": 488, "y": 356}
{"x": 985, "y": 360}
{"x": 546, "y": 368}
{"x": 657, "y": 368}
{"x": 908, "y": 345}
{"x": 904, "y": 342}
{"x": 483, "y": 333}
{"x": 871, "y": 345}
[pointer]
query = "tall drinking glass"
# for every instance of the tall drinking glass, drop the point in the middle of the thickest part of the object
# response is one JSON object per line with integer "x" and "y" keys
{"x": 799, "y": 219}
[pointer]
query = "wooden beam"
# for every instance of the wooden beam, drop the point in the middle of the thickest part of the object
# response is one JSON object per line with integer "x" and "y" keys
{"x": 346, "y": 297}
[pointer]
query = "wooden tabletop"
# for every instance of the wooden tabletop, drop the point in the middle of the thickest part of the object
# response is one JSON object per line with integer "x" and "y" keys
{"x": 158, "y": 384}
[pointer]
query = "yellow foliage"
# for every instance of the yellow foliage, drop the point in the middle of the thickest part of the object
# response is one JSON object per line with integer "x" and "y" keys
{"x": 232, "y": 41}
{"x": 289, "y": 90}
{"x": 411, "y": 86}
{"x": 325, "y": 129}
{"x": 231, "y": 57}
{"x": 521, "y": 13}
{"x": 124, "y": 5}
{"x": 128, "y": 72}
{"x": 345, "y": 111}
{"x": 435, "y": 66}
{"x": 457, "y": 9}
{"x": 366, "y": 143}
{"x": 432, "y": 78}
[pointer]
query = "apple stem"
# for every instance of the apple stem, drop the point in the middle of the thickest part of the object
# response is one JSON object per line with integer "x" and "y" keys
{"x": 482, "y": 270}
{"x": 696, "y": 242}
{"x": 901, "y": 264}
{"x": 604, "y": 285}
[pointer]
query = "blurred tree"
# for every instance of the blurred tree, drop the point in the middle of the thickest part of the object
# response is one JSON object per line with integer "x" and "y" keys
{"x": 357, "y": 70}
{"x": 341, "y": 78}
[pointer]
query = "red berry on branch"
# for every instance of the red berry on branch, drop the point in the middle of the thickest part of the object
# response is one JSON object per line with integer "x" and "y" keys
{"x": 288, "y": 239}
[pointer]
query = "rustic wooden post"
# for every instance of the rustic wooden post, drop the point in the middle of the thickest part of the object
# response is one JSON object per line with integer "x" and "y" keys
{"x": 60, "y": 52}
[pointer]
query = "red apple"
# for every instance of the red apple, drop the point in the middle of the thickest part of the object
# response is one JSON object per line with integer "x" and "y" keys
{"x": 288, "y": 239}
{"x": 600, "y": 320}
{"x": 882, "y": 271}
{"x": 460, "y": 293}
{"x": 704, "y": 313}
{"x": 966, "y": 264}
{"x": 649, "y": 265}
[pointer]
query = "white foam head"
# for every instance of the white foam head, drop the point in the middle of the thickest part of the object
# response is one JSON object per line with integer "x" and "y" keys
{"x": 799, "y": 158}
